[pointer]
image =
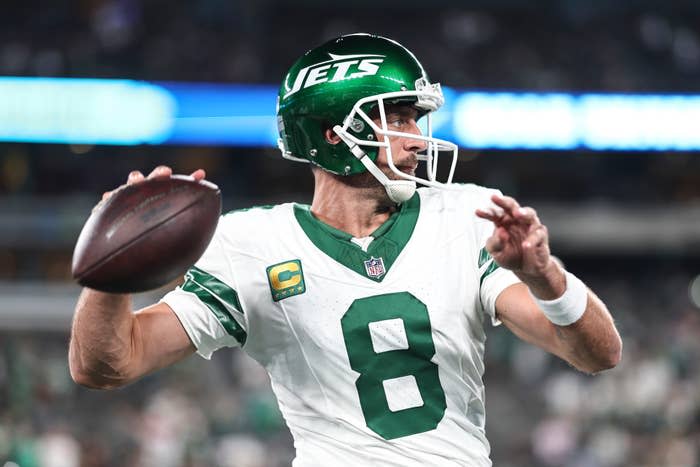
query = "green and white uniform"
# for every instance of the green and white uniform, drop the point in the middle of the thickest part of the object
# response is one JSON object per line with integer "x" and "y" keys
{"x": 374, "y": 346}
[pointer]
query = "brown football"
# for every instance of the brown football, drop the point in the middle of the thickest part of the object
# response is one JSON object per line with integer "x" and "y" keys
{"x": 146, "y": 234}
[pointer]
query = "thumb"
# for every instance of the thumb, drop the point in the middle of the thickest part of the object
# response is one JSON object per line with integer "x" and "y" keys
{"x": 497, "y": 241}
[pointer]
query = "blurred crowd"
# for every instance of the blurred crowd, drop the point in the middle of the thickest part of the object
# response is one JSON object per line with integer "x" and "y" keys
{"x": 570, "y": 45}
{"x": 217, "y": 414}
{"x": 540, "y": 413}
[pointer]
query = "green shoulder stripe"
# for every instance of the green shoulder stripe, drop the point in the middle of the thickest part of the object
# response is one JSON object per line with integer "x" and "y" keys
{"x": 484, "y": 256}
{"x": 492, "y": 267}
{"x": 214, "y": 293}
{"x": 224, "y": 293}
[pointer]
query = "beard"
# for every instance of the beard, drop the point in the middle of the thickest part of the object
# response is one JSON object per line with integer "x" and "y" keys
{"x": 366, "y": 180}
{"x": 371, "y": 188}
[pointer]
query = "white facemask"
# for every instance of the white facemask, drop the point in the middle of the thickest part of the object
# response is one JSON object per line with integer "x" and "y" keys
{"x": 429, "y": 98}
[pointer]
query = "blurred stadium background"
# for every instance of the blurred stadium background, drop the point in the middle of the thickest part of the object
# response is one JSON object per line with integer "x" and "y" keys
{"x": 626, "y": 220}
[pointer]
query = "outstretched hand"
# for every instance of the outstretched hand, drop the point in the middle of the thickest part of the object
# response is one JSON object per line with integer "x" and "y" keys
{"x": 161, "y": 171}
{"x": 519, "y": 241}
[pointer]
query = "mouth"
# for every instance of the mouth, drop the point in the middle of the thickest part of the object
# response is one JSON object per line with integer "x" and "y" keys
{"x": 408, "y": 165}
{"x": 408, "y": 169}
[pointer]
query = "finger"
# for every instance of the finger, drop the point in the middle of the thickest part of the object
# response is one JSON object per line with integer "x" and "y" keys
{"x": 494, "y": 215}
{"x": 487, "y": 214}
{"x": 536, "y": 238}
{"x": 497, "y": 242}
{"x": 526, "y": 214}
{"x": 506, "y": 202}
{"x": 134, "y": 176}
{"x": 106, "y": 195}
{"x": 198, "y": 174}
{"x": 483, "y": 214}
{"x": 161, "y": 171}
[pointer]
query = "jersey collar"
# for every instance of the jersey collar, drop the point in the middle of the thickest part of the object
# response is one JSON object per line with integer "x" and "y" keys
{"x": 389, "y": 238}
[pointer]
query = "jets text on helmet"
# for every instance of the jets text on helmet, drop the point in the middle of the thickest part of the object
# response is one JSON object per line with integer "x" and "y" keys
{"x": 338, "y": 68}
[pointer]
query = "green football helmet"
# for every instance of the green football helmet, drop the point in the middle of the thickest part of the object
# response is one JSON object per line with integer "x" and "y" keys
{"x": 337, "y": 85}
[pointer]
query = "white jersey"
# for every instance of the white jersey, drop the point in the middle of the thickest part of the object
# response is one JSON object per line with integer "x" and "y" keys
{"x": 374, "y": 346}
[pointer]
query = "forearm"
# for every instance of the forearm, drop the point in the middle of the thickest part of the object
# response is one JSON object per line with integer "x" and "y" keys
{"x": 592, "y": 343}
{"x": 101, "y": 342}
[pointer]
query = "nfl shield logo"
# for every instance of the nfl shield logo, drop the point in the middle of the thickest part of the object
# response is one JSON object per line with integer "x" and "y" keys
{"x": 375, "y": 267}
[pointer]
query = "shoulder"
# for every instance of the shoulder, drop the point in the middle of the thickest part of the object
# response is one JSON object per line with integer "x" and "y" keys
{"x": 257, "y": 214}
{"x": 253, "y": 214}
{"x": 251, "y": 225}
{"x": 457, "y": 196}
{"x": 455, "y": 207}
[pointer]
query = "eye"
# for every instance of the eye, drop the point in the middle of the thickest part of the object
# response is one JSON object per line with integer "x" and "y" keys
{"x": 397, "y": 122}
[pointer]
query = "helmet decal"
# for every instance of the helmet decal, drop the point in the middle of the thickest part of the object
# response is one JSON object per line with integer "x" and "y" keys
{"x": 338, "y": 68}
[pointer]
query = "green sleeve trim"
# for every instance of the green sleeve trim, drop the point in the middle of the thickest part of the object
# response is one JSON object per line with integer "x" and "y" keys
{"x": 214, "y": 293}
{"x": 492, "y": 267}
{"x": 484, "y": 256}
{"x": 225, "y": 293}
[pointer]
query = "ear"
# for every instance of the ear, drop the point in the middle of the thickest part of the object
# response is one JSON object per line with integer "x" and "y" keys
{"x": 331, "y": 137}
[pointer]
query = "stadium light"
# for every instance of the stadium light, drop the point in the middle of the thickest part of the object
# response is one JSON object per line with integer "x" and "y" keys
{"x": 123, "y": 112}
{"x": 84, "y": 111}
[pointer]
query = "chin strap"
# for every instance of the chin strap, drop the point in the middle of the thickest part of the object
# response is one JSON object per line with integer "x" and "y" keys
{"x": 398, "y": 191}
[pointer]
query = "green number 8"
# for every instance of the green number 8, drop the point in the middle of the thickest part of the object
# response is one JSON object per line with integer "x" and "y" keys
{"x": 377, "y": 367}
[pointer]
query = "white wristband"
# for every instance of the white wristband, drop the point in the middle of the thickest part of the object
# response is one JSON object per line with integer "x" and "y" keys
{"x": 568, "y": 308}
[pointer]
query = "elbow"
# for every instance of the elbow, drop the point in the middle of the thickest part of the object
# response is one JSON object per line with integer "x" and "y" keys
{"x": 86, "y": 380}
{"x": 607, "y": 362}
{"x": 609, "y": 357}
{"x": 93, "y": 378}
{"x": 614, "y": 355}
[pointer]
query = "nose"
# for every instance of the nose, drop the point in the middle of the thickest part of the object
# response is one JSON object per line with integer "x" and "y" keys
{"x": 411, "y": 144}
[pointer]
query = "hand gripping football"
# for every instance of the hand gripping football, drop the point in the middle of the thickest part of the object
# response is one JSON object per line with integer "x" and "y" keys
{"x": 146, "y": 234}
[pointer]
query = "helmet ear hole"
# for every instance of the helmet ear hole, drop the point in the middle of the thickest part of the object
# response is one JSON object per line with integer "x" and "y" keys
{"x": 331, "y": 136}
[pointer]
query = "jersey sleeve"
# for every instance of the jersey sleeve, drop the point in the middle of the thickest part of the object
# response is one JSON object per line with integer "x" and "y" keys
{"x": 493, "y": 279}
{"x": 207, "y": 303}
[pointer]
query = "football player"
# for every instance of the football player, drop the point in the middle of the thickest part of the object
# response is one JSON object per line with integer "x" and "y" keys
{"x": 368, "y": 307}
